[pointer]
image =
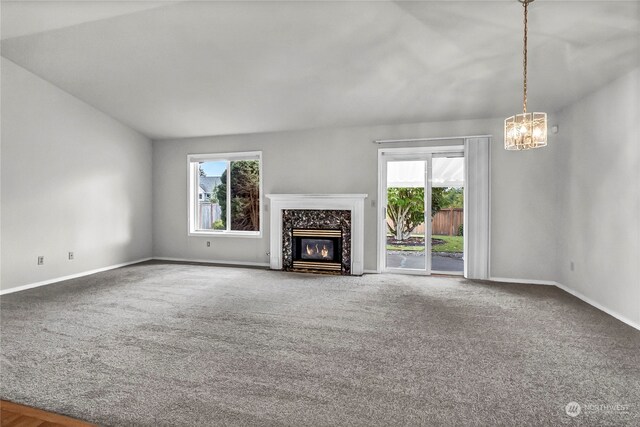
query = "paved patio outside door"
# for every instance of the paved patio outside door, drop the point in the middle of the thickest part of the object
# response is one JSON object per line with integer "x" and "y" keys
{"x": 415, "y": 260}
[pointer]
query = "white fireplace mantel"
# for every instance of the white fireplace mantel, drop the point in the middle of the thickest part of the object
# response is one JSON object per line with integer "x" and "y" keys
{"x": 351, "y": 202}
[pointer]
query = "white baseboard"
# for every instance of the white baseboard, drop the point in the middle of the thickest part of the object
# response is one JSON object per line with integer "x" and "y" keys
{"x": 370, "y": 271}
{"x": 215, "y": 262}
{"x": 524, "y": 281}
{"x": 599, "y": 306}
{"x": 69, "y": 277}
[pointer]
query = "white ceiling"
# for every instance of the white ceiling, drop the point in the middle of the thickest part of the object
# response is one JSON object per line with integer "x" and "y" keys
{"x": 25, "y": 17}
{"x": 218, "y": 67}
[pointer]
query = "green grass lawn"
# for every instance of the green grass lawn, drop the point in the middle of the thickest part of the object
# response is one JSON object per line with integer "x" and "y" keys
{"x": 451, "y": 244}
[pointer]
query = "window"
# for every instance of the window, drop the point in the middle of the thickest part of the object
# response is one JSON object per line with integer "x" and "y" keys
{"x": 225, "y": 194}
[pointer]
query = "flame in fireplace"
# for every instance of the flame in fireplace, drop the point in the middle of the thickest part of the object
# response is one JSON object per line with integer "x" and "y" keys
{"x": 315, "y": 250}
{"x": 324, "y": 252}
{"x": 310, "y": 250}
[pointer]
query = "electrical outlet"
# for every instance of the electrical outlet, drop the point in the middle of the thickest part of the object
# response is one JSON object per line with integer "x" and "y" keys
{"x": 70, "y": 255}
{"x": 373, "y": 203}
{"x": 572, "y": 266}
{"x": 40, "y": 260}
{"x": 208, "y": 244}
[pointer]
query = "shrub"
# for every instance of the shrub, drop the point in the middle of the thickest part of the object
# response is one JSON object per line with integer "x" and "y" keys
{"x": 460, "y": 229}
{"x": 218, "y": 225}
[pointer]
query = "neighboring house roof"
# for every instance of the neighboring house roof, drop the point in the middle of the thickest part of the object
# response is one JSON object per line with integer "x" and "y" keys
{"x": 209, "y": 183}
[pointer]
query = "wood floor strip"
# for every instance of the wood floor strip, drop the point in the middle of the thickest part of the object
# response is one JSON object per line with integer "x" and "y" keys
{"x": 16, "y": 415}
{"x": 8, "y": 417}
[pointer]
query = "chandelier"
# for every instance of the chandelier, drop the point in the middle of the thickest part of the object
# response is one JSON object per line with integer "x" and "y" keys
{"x": 526, "y": 130}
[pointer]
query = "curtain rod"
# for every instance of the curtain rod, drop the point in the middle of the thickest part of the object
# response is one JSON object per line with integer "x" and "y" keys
{"x": 442, "y": 138}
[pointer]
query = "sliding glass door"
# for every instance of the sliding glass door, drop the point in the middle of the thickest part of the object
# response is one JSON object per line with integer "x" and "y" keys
{"x": 406, "y": 240}
{"x": 419, "y": 186}
{"x": 447, "y": 213}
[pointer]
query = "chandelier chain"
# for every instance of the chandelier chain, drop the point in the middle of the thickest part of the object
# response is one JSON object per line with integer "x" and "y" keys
{"x": 524, "y": 62}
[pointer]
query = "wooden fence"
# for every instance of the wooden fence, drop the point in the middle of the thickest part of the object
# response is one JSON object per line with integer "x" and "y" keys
{"x": 445, "y": 222}
{"x": 209, "y": 213}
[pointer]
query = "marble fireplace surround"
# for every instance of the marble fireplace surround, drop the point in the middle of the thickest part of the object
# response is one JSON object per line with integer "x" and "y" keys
{"x": 316, "y": 219}
{"x": 350, "y": 202}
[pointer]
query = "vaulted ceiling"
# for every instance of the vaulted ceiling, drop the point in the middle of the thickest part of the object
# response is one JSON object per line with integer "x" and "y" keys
{"x": 195, "y": 68}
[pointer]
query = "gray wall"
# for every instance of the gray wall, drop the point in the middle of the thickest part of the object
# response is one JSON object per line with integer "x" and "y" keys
{"x": 600, "y": 197}
{"x": 73, "y": 179}
{"x": 345, "y": 161}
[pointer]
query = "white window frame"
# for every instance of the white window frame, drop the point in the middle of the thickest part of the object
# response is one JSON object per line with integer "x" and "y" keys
{"x": 193, "y": 173}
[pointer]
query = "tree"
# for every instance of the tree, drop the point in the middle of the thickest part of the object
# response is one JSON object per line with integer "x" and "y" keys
{"x": 438, "y": 200}
{"x": 454, "y": 197}
{"x": 405, "y": 209}
{"x": 202, "y": 172}
{"x": 245, "y": 195}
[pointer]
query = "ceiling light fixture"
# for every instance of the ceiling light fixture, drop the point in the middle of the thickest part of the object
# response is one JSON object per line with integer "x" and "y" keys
{"x": 526, "y": 130}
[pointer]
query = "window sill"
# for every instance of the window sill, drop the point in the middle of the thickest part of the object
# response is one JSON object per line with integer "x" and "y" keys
{"x": 242, "y": 234}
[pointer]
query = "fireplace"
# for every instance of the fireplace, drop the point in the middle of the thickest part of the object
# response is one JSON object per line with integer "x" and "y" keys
{"x": 316, "y": 241}
{"x": 343, "y": 212}
{"x": 317, "y": 249}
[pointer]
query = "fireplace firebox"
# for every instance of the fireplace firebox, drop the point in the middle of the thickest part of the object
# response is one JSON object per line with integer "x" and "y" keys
{"x": 317, "y": 249}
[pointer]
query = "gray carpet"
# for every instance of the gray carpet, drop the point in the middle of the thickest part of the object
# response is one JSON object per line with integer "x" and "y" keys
{"x": 186, "y": 345}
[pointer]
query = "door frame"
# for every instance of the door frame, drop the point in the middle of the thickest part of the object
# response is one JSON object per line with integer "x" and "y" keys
{"x": 407, "y": 154}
